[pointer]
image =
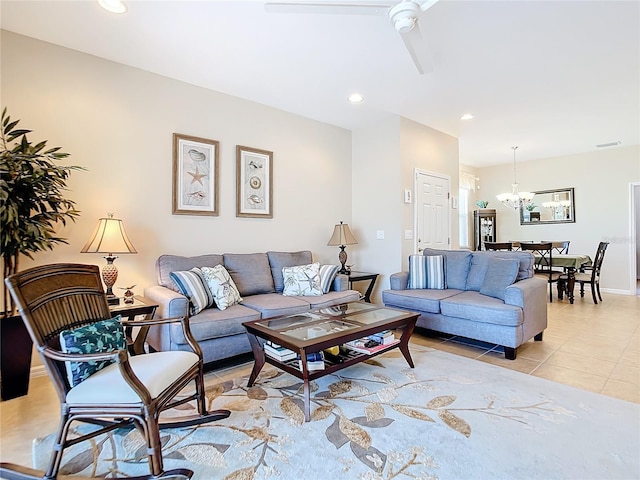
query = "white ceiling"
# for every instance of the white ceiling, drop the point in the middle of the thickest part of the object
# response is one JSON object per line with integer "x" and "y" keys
{"x": 553, "y": 77}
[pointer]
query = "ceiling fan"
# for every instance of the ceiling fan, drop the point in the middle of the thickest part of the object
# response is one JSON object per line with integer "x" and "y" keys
{"x": 403, "y": 15}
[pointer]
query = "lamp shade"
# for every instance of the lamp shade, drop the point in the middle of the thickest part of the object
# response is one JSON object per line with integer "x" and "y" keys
{"x": 342, "y": 236}
{"x": 109, "y": 237}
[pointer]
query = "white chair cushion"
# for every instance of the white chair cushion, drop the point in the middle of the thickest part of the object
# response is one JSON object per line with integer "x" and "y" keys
{"x": 155, "y": 370}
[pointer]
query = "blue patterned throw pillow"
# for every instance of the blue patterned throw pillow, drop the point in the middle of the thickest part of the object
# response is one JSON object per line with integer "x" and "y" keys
{"x": 192, "y": 284}
{"x": 99, "y": 337}
{"x": 426, "y": 272}
{"x": 327, "y": 273}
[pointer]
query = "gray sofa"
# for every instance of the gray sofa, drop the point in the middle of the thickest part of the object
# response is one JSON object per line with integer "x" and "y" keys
{"x": 461, "y": 309}
{"x": 259, "y": 279}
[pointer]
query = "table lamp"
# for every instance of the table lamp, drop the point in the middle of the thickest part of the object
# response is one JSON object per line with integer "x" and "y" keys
{"x": 109, "y": 237}
{"x": 342, "y": 237}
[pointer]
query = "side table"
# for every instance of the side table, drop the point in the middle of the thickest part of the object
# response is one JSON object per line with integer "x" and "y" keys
{"x": 129, "y": 311}
{"x": 364, "y": 276}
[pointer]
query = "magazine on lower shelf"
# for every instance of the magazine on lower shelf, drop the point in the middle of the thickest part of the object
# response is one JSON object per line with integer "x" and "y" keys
{"x": 361, "y": 345}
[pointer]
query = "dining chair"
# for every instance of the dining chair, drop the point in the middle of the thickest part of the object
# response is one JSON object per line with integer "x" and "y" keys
{"x": 84, "y": 351}
{"x": 498, "y": 246}
{"x": 559, "y": 247}
{"x": 589, "y": 274}
{"x": 543, "y": 253}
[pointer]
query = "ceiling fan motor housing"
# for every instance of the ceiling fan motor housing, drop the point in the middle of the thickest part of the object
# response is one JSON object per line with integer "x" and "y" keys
{"x": 404, "y": 15}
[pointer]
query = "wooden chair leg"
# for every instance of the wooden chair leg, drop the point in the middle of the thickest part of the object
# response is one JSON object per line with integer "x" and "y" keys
{"x": 593, "y": 293}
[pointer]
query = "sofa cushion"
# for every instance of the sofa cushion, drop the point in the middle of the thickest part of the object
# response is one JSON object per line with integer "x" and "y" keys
{"x": 274, "y": 304}
{"x": 482, "y": 309}
{"x": 279, "y": 260}
{"x": 223, "y": 290}
{"x": 302, "y": 280}
{"x": 250, "y": 272}
{"x": 327, "y": 274}
{"x": 193, "y": 285}
{"x": 332, "y": 298}
{"x": 456, "y": 266}
{"x": 214, "y": 323}
{"x": 480, "y": 262}
{"x": 501, "y": 273}
{"x": 418, "y": 300}
{"x": 426, "y": 272}
{"x": 173, "y": 263}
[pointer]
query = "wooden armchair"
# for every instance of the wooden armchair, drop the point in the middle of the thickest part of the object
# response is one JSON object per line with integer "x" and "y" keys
{"x": 129, "y": 391}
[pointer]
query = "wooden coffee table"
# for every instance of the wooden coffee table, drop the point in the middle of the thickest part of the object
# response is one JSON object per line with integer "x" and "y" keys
{"x": 324, "y": 328}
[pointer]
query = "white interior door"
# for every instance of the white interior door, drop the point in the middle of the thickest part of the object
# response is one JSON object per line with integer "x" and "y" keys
{"x": 432, "y": 211}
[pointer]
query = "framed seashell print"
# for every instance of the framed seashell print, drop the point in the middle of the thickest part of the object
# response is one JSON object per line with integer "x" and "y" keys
{"x": 195, "y": 175}
{"x": 254, "y": 187}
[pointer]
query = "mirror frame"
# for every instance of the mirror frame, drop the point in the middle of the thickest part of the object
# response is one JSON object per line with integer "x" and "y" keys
{"x": 571, "y": 209}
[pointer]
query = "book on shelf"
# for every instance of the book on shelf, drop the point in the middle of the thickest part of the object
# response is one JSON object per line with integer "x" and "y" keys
{"x": 385, "y": 337}
{"x": 315, "y": 361}
{"x": 368, "y": 346}
{"x": 278, "y": 352}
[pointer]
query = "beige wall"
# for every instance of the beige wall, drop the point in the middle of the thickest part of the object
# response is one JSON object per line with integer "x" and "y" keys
{"x": 118, "y": 122}
{"x": 385, "y": 157}
{"x": 602, "y": 201}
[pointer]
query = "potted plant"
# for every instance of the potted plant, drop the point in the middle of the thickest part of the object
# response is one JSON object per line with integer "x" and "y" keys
{"x": 482, "y": 203}
{"x": 528, "y": 208}
{"x": 33, "y": 203}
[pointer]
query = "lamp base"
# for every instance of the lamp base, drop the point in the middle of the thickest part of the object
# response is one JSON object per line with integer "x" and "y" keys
{"x": 113, "y": 300}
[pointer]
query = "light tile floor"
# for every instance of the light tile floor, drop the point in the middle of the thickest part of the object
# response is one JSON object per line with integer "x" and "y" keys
{"x": 593, "y": 347}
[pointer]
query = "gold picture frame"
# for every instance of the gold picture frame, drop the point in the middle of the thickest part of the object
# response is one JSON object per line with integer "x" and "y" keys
{"x": 195, "y": 175}
{"x": 254, "y": 182}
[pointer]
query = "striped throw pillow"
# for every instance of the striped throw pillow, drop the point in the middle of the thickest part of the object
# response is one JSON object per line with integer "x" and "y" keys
{"x": 327, "y": 273}
{"x": 426, "y": 272}
{"x": 191, "y": 283}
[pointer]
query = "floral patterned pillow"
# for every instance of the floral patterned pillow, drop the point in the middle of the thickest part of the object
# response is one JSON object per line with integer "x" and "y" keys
{"x": 224, "y": 290}
{"x": 99, "y": 337}
{"x": 302, "y": 280}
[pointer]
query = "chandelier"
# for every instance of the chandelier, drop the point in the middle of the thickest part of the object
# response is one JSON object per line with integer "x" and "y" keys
{"x": 515, "y": 199}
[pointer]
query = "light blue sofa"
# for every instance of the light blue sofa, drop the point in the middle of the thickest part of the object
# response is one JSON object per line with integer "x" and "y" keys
{"x": 460, "y": 309}
{"x": 259, "y": 279}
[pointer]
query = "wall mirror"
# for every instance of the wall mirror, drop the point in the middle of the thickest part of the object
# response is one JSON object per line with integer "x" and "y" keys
{"x": 550, "y": 206}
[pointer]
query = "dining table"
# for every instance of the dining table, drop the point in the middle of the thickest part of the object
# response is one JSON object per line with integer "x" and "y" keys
{"x": 571, "y": 262}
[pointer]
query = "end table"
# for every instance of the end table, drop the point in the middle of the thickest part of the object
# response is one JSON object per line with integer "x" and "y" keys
{"x": 129, "y": 311}
{"x": 364, "y": 276}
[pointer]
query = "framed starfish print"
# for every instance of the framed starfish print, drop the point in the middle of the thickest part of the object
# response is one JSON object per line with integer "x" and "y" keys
{"x": 254, "y": 177}
{"x": 195, "y": 175}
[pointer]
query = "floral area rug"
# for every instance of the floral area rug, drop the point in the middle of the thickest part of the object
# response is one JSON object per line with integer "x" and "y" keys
{"x": 448, "y": 418}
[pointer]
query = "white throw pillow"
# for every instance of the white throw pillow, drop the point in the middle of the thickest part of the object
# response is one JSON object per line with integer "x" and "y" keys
{"x": 224, "y": 290}
{"x": 302, "y": 280}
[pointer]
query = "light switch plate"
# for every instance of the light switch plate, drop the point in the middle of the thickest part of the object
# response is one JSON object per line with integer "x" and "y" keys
{"x": 407, "y": 195}
{"x": 379, "y": 234}
{"x": 408, "y": 234}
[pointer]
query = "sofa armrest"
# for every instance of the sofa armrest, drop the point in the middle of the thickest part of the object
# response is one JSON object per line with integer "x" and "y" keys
{"x": 170, "y": 303}
{"x": 531, "y": 295}
{"x": 399, "y": 280}
{"x": 340, "y": 283}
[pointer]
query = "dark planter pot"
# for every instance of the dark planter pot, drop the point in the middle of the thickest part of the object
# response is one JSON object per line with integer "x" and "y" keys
{"x": 15, "y": 357}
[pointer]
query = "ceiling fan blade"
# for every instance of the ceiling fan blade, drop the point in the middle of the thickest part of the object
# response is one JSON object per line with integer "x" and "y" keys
{"x": 418, "y": 49}
{"x": 370, "y": 7}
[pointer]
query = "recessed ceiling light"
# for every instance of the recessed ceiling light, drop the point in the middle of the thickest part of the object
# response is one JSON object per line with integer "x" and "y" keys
{"x": 466, "y": 116}
{"x": 355, "y": 98}
{"x": 113, "y": 6}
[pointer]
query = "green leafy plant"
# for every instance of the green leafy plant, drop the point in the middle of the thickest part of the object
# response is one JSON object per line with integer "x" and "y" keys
{"x": 482, "y": 203}
{"x": 530, "y": 206}
{"x": 32, "y": 198}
